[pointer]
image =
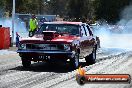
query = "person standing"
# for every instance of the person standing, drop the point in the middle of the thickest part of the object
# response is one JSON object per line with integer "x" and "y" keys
{"x": 17, "y": 39}
{"x": 42, "y": 20}
{"x": 33, "y": 24}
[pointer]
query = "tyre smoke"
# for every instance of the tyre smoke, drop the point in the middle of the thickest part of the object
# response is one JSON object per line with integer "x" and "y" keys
{"x": 19, "y": 26}
{"x": 118, "y": 35}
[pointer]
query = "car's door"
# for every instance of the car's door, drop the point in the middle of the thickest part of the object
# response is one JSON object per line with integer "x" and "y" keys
{"x": 90, "y": 38}
{"x": 83, "y": 41}
{"x": 86, "y": 41}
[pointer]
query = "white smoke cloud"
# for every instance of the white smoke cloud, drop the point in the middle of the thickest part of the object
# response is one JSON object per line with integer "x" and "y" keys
{"x": 119, "y": 35}
{"x": 126, "y": 19}
{"x": 19, "y": 26}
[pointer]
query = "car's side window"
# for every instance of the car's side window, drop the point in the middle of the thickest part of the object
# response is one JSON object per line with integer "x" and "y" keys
{"x": 83, "y": 32}
{"x": 89, "y": 30}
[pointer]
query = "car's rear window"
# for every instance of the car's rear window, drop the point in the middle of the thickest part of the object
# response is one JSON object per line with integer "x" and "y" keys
{"x": 60, "y": 28}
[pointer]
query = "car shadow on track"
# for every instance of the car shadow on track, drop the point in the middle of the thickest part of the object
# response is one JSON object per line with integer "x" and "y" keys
{"x": 48, "y": 67}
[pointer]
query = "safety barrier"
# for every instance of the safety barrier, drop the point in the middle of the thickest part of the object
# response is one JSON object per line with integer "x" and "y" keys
{"x": 4, "y": 37}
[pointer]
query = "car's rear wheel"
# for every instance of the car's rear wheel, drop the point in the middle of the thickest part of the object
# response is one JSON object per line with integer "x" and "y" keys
{"x": 74, "y": 62}
{"x": 25, "y": 62}
{"x": 90, "y": 59}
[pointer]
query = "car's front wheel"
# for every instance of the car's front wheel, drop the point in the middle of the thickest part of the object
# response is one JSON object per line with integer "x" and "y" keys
{"x": 90, "y": 59}
{"x": 74, "y": 62}
{"x": 25, "y": 62}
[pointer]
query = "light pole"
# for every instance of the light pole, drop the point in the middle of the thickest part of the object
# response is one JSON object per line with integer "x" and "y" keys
{"x": 13, "y": 21}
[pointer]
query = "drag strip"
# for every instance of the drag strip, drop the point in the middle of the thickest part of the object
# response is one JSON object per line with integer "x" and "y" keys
{"x": 45, "y": 75}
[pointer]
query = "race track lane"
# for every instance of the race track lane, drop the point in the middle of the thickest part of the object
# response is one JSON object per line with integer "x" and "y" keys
{"x": 43, "y": 75}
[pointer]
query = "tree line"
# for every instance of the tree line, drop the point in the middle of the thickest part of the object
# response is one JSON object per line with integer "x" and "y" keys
{"x": 75, "y": 9}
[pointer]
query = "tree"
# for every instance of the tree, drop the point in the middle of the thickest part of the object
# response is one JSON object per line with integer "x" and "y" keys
{"x": 2, "y": 7}
{"x": 57, "y": 7}
{"x": 25, "y": 6}
{"x": 109, "y": 9}
{"x": 2, "y": 3}
{"x": 80, "y": 8}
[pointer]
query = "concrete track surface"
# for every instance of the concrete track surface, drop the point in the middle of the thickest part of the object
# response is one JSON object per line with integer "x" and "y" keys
{"x": 44, "y": 75}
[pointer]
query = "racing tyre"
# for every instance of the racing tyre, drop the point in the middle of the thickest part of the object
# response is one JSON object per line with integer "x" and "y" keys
{"x": 90, "y": 59}
{"x": 74, "y": 62}
{"x": 26, "y": 63}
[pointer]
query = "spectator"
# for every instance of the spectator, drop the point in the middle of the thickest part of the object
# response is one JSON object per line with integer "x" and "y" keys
{"x": 33, "y": 25}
